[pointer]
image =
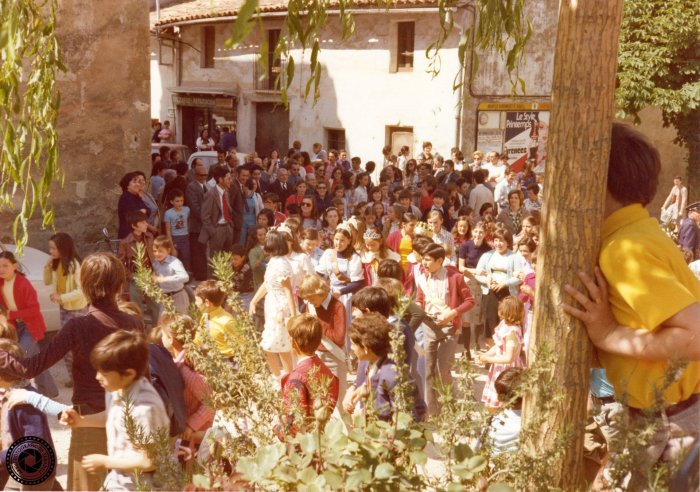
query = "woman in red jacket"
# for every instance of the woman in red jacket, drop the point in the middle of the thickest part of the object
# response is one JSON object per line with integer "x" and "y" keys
{"x": 20, "y": 305}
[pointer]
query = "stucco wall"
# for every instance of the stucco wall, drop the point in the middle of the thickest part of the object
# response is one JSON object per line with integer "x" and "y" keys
{"x": 103, "y": 125}
{"x": 358, "y": 92}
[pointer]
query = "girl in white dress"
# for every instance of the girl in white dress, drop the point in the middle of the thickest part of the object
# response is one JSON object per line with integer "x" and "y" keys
{"x": 343, "y": 267}
{"x": 279, "y": 304}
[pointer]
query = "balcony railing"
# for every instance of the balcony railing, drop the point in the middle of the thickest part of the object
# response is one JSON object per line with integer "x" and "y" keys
{"x": 266, "y": 79}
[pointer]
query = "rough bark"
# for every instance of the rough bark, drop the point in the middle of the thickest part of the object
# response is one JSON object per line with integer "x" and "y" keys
{"x": 579, "y": 144}
{"x": 693, "y": 143}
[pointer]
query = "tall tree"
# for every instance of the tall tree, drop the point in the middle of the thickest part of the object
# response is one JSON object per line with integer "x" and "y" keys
{"x": 578, "y": 148}
{"x": 659, "y": 65}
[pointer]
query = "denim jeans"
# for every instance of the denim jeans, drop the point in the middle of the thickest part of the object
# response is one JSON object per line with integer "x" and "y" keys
{"x": 44, "y": 381}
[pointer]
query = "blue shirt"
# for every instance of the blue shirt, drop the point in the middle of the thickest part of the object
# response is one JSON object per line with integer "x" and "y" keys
{"x": 599, "y": 385}
{"x": 177, "y": 221}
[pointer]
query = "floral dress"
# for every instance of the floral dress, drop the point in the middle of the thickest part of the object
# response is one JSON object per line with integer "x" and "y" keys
{"x": 503, "y": 330}
{"x": 275, "y": 337}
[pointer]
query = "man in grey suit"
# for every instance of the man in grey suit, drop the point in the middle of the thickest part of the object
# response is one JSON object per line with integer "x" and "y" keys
{"x": 194, "y": 198}
{"x": 217, "y": 224}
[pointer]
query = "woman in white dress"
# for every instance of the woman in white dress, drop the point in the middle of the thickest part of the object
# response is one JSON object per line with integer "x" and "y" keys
{"x": 279, "y": 304}
{"x": 674, "y": 206}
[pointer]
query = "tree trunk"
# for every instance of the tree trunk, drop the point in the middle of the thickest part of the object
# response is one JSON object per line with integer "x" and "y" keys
{"x": 575, "y": 184}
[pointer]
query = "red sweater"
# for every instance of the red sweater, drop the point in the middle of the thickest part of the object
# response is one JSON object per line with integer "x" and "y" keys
{"x": 28, "y": 309}
{"x": 333, "y": 322}
{"x": 459, "y": 297}
{"x": 297, "y": 382}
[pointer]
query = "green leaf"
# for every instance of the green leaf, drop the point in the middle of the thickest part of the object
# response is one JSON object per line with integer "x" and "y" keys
{"x": 307, "y": 442}
{"x": 201, "y": 481}
{"x": 384, "y": 471}
{"x": 476, "y": 463}
{"x": 358, "y": 478}
{"x": 333, "y": 479}
{"x": 462, "y": 451}
{"x": 308, "y": 475}
{"x": 418, "y": 457}
{"x": 243, "y": 25}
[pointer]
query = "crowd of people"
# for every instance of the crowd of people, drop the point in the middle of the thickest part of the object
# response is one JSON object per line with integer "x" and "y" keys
{"x": 328, "y": 255}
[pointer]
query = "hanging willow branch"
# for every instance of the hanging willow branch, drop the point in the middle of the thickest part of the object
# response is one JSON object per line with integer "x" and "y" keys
{"x": 501, "y": 27}
{"x": 29, "y": 60}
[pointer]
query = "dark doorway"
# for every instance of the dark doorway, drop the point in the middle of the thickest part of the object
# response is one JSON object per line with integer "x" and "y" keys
{"x": 271, "y": 129}
{"x": 194, "y": 120}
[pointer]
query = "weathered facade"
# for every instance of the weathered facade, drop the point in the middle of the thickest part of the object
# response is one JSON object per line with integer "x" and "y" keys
{"x": 366, "y": 99}
{"x": 103, "y": 125}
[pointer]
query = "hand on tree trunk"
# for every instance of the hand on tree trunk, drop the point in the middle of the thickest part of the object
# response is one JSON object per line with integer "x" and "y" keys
{"x": 596, "y": 313}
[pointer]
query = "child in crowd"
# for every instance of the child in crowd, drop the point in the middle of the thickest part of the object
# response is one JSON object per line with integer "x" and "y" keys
{"x": 199, "y": 417}
{"x": 461, "y": 232}
{"x": 401, "y": 241}
{"x": 265, "y": 219}
{"x": 19, "y": 305}
{"x": 176, "y": 221}
{"x": 271, "y": 201}
{"x": 331, "y": 314}
{"x": 170, "y": 273}
{"x": 310, "y": 242}
{"x": 256, "y": 255}
{"x": 62, "y": 272}
{"x": 222, "y": 327}
{"x": 242, "y": 275}
{"x": 138, "y": 222}
{"x": 121, "y": 362}
{"x": 279, "y": 303}
{"x": 504, "y": 431}
{"x": 506, "y": 349}
{"x": 371, "y": 343}
{"x": 19, "y": 421}
{"x": 373, "y": 251}
{"x": 310, "y": 380}
{"x": 331, "y": 219}
{"x": 444, "y": 296}
{"x": 391, "y": 222}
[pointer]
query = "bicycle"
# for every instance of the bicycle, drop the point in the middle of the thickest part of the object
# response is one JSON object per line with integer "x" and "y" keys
{"x": 106, "y": 244}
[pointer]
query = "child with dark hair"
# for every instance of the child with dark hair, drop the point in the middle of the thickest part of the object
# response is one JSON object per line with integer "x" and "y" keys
{"x": 310, "y": 381}
{"x": 176, "y": 221}
{"x": 170, "y": 274}
{"x": 371, "y": 344}
{"x": 504, "y": 431}
{"x": 121, "y": 362}
{"x": 242, "y": 275}
{"x": 445, "y": 297}
{"x": 138, "y": 222}
{"x": 20, "y": 420}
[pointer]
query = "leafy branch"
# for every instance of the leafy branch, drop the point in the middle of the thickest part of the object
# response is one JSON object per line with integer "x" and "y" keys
{"x": 30, "y": 58}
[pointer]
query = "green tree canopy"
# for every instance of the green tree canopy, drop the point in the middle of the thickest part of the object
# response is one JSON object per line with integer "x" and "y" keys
{"x": 659, "y": 65}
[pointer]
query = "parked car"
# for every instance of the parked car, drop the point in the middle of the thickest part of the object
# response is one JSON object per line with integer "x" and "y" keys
{"x": 32, "y": 262}
{"x": 182, "y": 149}
{"x": 210, "y": 158}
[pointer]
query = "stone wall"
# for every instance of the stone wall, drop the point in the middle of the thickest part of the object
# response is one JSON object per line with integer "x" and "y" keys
{"x": 104, "y": 125}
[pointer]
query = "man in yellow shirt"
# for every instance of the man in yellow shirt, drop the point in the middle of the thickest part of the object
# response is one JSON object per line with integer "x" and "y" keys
{"x": 643, "y": 310}
{"x": 221, "y": 325}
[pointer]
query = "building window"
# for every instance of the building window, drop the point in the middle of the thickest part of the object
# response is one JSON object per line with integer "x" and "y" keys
{"x": 208, "y": 46}
{"x": 335, "y": 139}
{"x": 406, "y": 34}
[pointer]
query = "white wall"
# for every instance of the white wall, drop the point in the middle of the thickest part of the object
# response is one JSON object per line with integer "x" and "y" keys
{"x": 358, "y": 92}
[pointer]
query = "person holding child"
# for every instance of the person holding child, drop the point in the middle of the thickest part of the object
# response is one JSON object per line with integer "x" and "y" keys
{"x": 507, "y": 348}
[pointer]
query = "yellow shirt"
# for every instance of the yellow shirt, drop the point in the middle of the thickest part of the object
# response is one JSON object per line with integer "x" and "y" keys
{"x": 648, "y": 283}
{"x": 405, "y": 249}
{"x": 61, "y": 280}
{"x": 223, "y": 329}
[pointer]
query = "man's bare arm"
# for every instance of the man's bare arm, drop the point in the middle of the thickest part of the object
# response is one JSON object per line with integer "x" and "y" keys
{"x": 678, "y": 338}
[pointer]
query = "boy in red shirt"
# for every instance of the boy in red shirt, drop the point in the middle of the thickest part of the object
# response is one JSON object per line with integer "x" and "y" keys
{"x": 311, "y": 380}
